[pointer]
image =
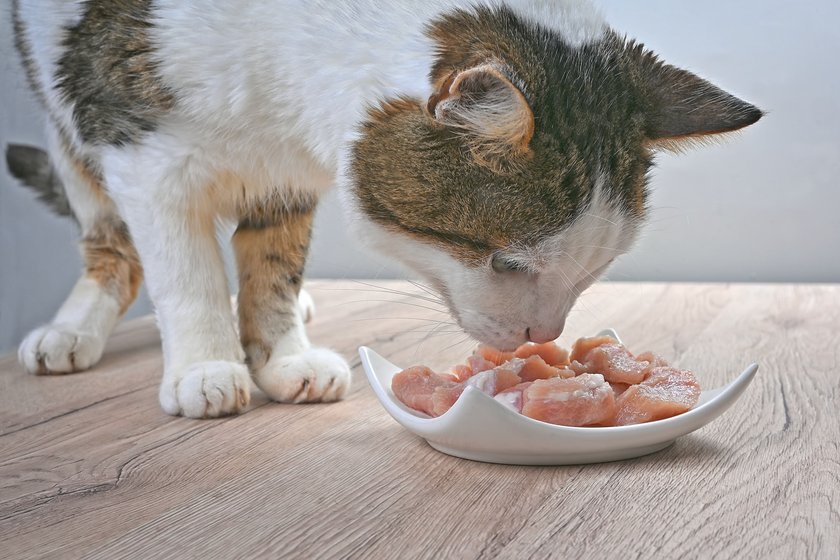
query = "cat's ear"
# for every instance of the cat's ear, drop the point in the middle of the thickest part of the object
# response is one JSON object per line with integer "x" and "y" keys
{"x": 484, "y": 104}
{"x": 684, "y": 107}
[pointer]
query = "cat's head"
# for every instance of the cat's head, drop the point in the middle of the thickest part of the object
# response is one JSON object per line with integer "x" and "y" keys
{"x": 522, "y": 177}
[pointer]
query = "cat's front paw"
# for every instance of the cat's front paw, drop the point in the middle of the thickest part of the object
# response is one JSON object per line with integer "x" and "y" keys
{"x": 315, "y": 375}
{"x": 206, "y": 390}
{"x": 58, "y": 348}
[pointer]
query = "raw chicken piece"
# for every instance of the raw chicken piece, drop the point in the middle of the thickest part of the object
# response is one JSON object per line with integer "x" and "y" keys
{"x": 615, "y": 362}
{"x": 582, "y": 346}
{"x": 492, "y": 354}
{"x": 535, "y": 368}
{"x": 461, "y": 372}
{"x": 655, "y": 360}
{"x": 444, "y": 396}
{"x": 478, "y": 364}
{"x": 512, "y": 397}
{"x": 666, "y": 392}
{"x": 551, "y": 354}
{"x": 437, "y": 395}
{"x": 619, "y": 388}
{"x": 600, "y": 384}
{"x": 495, "y": 380}
{"x": 416, "y": 385}
{"x": 580, "y": 401}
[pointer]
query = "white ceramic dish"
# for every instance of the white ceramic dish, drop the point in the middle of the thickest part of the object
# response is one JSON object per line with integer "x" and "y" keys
{"x": 478, "y": 427}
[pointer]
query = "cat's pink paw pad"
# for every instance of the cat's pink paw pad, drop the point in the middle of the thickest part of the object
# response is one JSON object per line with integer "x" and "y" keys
{"x": 206, "y": 390}
{"x": 315, "y": 375}
{"x": 54, "y": 349}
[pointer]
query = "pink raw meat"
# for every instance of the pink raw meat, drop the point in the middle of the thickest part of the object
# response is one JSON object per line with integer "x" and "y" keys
{"x": 580, "y": 401}
{"x": 416, "y": 385}
{"x": 667, "y": 392}
{"x": 551, "y": 354}
{"x": 614, "y": 362}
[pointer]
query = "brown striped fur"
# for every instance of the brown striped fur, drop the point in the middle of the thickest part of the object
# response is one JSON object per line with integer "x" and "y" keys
{"x": 112, "y": 260}
{"x": 595, "y": 111}
{"x": 109, "y": 74}
{"x": 109, "y": 254}
{"x": 271, "y": 245}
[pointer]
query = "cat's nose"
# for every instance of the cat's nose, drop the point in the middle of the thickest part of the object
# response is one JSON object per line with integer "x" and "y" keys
{"x": 540, "y": 334}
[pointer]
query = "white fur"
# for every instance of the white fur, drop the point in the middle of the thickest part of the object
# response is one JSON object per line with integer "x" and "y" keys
{"x": 88, "y": 207}
{"x": 183, "y": 267}
{"x": 315, "y": 374}
{"x": 206, "y": 390}
{"x": 271, "y": 77}
{"x": 76, "y": 337}
{"x": 306, "y": 306}
{"x": 273, "y": 91}
{"x": 296, "y": 372}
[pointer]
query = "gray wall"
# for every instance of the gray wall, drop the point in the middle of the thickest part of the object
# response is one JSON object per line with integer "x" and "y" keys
{"x": 761, "y": 207}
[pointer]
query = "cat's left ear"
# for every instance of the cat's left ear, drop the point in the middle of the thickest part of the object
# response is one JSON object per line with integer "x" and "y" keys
{"x": 484, "y": 104}
{"x": 686, "y": 107}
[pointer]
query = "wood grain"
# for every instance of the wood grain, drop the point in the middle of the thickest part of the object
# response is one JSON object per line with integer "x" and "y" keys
{"x": 91, "y": 467}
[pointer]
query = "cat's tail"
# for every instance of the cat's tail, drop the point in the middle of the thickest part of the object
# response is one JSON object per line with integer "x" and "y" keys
{"x": 32, "y": 166}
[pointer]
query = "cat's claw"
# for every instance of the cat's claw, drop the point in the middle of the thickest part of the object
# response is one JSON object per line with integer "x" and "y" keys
{"x": 315, "y": 375}
{"x": 57, "y": 348}
{"x": 306, "y": 306}
{"x": 206, "y": 390}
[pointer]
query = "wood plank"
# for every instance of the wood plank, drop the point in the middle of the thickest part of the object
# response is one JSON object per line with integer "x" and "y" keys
{"x": 90, "y": 466}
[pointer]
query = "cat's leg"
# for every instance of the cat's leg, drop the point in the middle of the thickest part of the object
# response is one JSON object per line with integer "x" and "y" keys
{"x": 306, "y": 306}
{"x": 166, "y": 194}
{"x": 76, "y": 337}
{"x": 271, "y": 244}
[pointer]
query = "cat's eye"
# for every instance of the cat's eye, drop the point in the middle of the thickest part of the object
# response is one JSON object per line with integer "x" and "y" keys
{"x": 501, "y": 264}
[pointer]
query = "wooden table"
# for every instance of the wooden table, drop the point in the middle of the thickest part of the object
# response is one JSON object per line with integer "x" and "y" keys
{"x": 91, "y": 467}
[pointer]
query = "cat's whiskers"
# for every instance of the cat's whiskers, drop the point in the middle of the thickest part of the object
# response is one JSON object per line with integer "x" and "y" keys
{"x": 381, "y": 289}
{"x": 587, "y": 273}
{"x": 423, "y": 287}
{"x": 572, "y": 288}
{"x": 613, "y": 250}
{"x": 465, "y": 339}
{"x": 591, "y": 215}
{"x": 357, "y": 301}
{"x": 431, "y": 297}
{"x": 401, "y": 319}
{"x": 434, "y": 332}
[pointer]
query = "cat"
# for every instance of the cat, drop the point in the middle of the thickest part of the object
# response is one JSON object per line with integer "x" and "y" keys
{"x": 499, "y": 148}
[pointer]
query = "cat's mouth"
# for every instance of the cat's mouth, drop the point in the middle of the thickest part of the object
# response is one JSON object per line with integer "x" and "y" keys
{"x": 490, "y": 332}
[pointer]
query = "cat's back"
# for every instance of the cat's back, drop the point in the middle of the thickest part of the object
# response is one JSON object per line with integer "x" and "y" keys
{"x": 109, "y": 71}
{"x": 266, "y": 71}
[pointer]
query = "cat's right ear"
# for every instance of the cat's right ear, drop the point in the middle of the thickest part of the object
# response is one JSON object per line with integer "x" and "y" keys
{"x": 492, "y": 113}
{"x": 685, "y": 107}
